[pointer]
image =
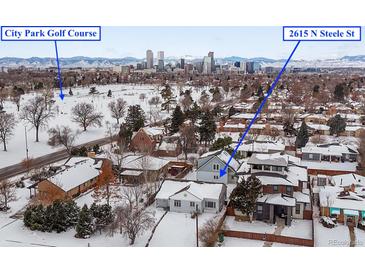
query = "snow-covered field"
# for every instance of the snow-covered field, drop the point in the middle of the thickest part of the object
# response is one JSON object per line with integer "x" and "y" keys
{"x": 256, "y": 226}
{"x": 332, "y": 237}
{"x": 178, "y": 229}
{"x": 130, "y": 93}
{"x": 299, "y": 229}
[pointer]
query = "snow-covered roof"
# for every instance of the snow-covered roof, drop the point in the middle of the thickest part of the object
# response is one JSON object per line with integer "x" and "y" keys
{"x": 274, "y": 179}
{"x": 301, "y": 197}
{"x": 277, "y": 199}
{"x": 261, "y": 147}
{"x": 170, "y": 187}
{"x": 329, "y": 149}
{"x": 346, "y": 180}
{"x": 274, "y": 159}
{"x": 297, "y": 173}
{"x": 76, "y": 175}
{"x": 139, "y": 162}
{"x": 330, "y": 197}
{"x": 131, "y": 173}
{"x": 324, "y": 165}
{"x": 177, "y": 190}
{"x": 247, "y": 116}
{"x": 154, "y": 131}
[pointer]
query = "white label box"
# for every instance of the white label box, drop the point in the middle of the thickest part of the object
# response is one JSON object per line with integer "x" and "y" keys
{"x": 325, "y": 33}
{"x": 51, "y": 33}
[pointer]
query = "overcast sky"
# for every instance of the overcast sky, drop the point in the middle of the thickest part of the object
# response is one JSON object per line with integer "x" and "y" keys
{"x": 117, "y": 42}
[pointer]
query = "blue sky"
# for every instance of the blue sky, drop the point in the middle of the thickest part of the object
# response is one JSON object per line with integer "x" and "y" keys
{"x": 178, "y": 41}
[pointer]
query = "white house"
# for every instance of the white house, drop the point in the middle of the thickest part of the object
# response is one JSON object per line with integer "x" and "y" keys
{"x": 189, "y": 196}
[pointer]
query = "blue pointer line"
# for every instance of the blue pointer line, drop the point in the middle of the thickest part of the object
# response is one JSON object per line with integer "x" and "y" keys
{"x": 59, "y": 72}
{"x": 222, "y": 172}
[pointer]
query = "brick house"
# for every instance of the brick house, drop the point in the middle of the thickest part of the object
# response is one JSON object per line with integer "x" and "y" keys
{"x": 146, "y": 139}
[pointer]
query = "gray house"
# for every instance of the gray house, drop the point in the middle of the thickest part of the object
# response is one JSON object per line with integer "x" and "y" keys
{"x": 210, "y": 163}
{"x": 334, "y": 152}
{"x": 189, "y": 196}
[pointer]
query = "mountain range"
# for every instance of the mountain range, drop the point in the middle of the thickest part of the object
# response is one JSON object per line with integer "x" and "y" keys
{"x": 357, "y": 61}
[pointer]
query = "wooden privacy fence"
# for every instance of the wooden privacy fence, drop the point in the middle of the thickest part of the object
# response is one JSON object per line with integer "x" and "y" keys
{"x": 269, "y": 238}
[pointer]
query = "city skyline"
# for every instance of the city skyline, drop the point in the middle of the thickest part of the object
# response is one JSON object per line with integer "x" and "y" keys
{"x": 246, "y": 42}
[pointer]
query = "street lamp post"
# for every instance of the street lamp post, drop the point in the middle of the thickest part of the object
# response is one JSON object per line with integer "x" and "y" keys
{"x": 197, "y": 225}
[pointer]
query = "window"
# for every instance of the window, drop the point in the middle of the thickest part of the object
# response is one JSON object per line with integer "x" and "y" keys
{"x": 288, "y": 189}
{"x": 259, "y": 209}
{"x": 275, "y": 188}
{"x": 215, "y": 166}
{"x": 210, "y": 204}
{"x": 216, "y": 177}
{"x": 177, "y": 203}
{"x": 259, "y": 167}
{"x": 267, "y": 167}
{"x": 297, "y": 209}
{"x": 277, "y": 168}
{"x": 321, "y": 181}
{"x": 192, "y": 204}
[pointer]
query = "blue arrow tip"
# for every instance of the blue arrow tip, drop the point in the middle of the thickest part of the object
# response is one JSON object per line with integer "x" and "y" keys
{"x": 222, "y": 172}
{"x": 62, "y": 96}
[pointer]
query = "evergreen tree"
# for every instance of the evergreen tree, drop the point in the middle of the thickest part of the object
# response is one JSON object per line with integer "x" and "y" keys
{"x": 245, "y": 195}
{"x": 135, "y": 118}
{"x": 221, "y": 143}
{"x": 194, "y": 113}
{"x": 302, "y": 136}
{"x": 102, "y": 214}
{"x": 207, "y": 127}
{"x": 84, "y": 227}
{"x": 231, "y": 111}
{"x": 58, "y": 217}
{"x": 337, "y": 124}
{"x": 168, "y": 97}
{"x": 176, "y": 120}
{"x": 339, "y": 92}
{"x": 125, "y": 135}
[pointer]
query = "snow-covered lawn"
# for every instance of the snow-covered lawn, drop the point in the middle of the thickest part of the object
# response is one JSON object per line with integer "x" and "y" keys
{"x": 238, "y": 242}
{"x": 130, "y": 93}
{"x": 256, "y": 226}
{"x": 21, "y": 202}
{"x": 333, "y": 237}
{"x": 299, "y": 229}
{"x": 16, "y": 234}
{"x": 178, "y": 229}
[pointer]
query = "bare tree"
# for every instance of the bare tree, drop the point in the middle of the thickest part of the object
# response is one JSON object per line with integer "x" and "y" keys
{"x": 208, "y": 234}
{"x": 132, "y": 221}
{"x": 7, "y": 124}
{"x": 7, "y": 194}
{"x": 85, "y": 115}
{"x": 117, "y": 108}
{"x": 187, "y": 138}
{"x": 62, "y": 136}
{"x": 155, "y": 101}
{"x": 36, "y": 113}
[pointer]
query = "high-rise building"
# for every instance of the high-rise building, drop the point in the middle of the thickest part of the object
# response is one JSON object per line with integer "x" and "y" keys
{"x": 160, "y": 60}
{"x": 149, "y": 59}
{"x": 207, "y": 65}
{"x": 211, "y": 55}
{"x": 160, "y": 55}
{"x": 182, "y": 63}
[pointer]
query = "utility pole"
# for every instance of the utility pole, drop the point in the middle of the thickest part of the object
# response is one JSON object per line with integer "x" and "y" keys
{"x": 26, "y": 143}
{"x": 197, "y": 226}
